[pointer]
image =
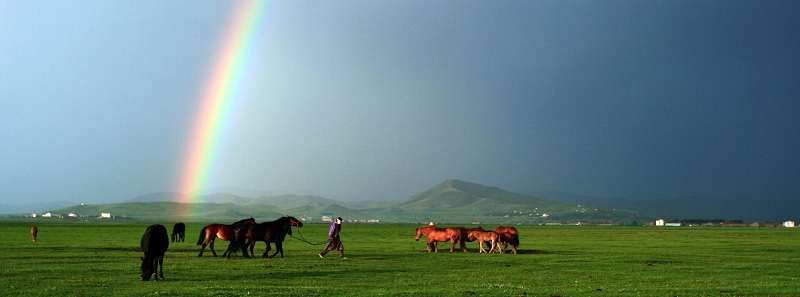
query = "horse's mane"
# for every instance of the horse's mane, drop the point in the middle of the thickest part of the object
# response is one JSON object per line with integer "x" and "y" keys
{"x": 245, "y": 220}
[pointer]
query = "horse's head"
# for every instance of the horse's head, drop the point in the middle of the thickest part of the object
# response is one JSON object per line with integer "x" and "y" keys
{"x": 419, "y": 233}
{"x": 471, "y": 236}
{"x": 147, "y": 270}
{"x": 295, "y": 222}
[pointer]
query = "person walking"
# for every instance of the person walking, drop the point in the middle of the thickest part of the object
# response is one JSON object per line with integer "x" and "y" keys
{"x": 334, "y": 242}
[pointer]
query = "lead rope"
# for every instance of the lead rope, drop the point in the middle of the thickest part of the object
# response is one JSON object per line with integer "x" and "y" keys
{"x": 303, "y": 239}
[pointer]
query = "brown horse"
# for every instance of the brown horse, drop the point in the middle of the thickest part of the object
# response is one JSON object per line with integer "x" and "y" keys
{"x": 508, "y": 235}
{"x": 482, "y": 236}
{"x": 34, "y": 232}
{"x": 209, "y": 233}
{"x": 268, "y": 232}
{"x": 436, "y": 235}
{"x": 465, "y": 236}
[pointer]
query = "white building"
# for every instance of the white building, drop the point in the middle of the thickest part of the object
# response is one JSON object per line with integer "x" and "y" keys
{"x": 660, "y": 222}
{"x": 105, "y": 215}
{"x": 47, "y": 215}
{"x": 788, "y": 224}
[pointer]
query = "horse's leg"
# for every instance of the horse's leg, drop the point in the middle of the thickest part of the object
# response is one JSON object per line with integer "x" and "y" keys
{"x": 266, "y": 253}
{"x": 227, "y": 252}
{"x": 480, "y": 244}
{"x": 435, "y": 246}
{"x": 161, "y": 266}
{"x": 203, "y": 248}
{"x": 280, "y": 248}
{"x": 452, "y": 244}
{"x": 211, "y": 246}
{"x": 243, "y": 246}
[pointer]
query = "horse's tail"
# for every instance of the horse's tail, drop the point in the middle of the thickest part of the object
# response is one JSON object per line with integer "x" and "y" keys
{"x": 515, "y": 239}
{"x": 202, "y": 236}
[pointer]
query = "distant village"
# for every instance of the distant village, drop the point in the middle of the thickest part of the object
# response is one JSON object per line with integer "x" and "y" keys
{"x": 103, "y": 215}
{"x": 663, "y": 223}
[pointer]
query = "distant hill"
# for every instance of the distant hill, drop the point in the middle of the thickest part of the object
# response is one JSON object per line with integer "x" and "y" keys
{"x": 30, "y": 208}
{"x": 693, "y": 207}
{"x": 212, "y": 198}
{"x": 456, "y": 200}
{"x": 456, "y": 194}
{"x": 451, "y": 201}
{"x": 293, "y": 201}
{"x": 173, "y": 211}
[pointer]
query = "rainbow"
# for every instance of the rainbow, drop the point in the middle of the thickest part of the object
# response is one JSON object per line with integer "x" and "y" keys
{"x": 218, "y": 98}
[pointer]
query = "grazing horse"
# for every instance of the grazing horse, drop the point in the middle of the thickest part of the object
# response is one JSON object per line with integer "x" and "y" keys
{"x": 482, "y": 236}
{"x": 154, "y": 243}
{"x": 209, "y": 233}
{"x": 268, "y": 232}
{"x": 34, "y": 232}
{"x": 179, "y": 232}
{"x": 436, "y": 235}
{"x": 508, "y": 235}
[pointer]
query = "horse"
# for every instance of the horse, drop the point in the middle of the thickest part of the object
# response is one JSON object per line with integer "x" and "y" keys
{"x": 482, "y": 236}
{"x": 154, "y": 243}
{"x": 34, "y": 232}
{"x": 436, "y": 235}
{"x": 179, "y": 232}
{"x": 267, "y": 232}
{"x": 209, "y": 233}
{"x": 465, "y": 236}
{"x": 508, "y": 235}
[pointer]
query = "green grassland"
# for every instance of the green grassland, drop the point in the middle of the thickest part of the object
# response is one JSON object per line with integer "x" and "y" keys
{"x": 102, "y": 259}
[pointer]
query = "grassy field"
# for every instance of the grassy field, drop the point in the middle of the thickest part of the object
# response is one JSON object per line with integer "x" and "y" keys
{"x": 81, "y": 259}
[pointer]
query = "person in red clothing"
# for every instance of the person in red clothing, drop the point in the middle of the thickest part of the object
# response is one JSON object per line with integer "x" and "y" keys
{"x": 334, "y": 242}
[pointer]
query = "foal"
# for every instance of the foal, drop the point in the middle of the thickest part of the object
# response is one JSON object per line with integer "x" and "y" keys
{"x": 482, "y": 236}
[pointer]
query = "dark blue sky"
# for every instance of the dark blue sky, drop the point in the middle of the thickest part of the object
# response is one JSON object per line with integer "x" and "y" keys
{"x": 363, "y": 100}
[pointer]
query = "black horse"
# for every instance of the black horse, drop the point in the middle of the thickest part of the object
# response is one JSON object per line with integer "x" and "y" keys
{"x": 154, "y": 243}
{"x": 268, "y": 232}
{"x": 179, "y": 232}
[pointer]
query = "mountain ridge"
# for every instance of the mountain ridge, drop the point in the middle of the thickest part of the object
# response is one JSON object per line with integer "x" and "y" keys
{"x": 459, "y": 201}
